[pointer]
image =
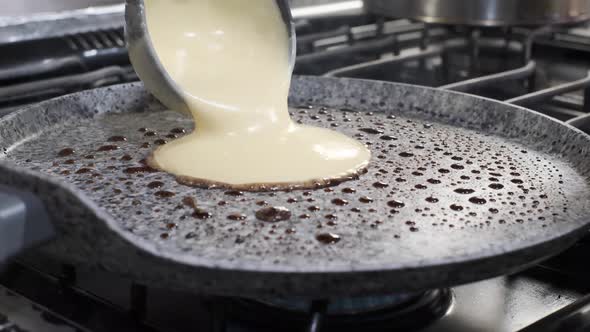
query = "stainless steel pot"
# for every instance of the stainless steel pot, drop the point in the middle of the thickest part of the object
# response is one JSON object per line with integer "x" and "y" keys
{"x": 485, "y": 12}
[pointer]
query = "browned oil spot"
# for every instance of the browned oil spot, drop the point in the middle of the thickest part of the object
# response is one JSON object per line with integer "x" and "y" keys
{"x": 140, "y": 169}
{"x": 83, "y": 171}
{"x": 190, "y": 202}
{"x": 66, "y": 152}
{"x": 237, "y": 217}
{"x": 105, "y": 148}
{"x": 396, "y": 204}
{"x": 155, "y": 184}
{"x": 380, "y": 184}
{"x": 201, "y": 214}
{"x": 164, "y": 194}
{"x": 273, "y": 214}
{"x": 339, "y": 201}
{"x": 328, "y": 238}
{"x": 365, "y": 199}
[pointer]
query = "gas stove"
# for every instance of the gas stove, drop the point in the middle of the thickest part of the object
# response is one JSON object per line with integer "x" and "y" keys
{"x": 546, "y": 69}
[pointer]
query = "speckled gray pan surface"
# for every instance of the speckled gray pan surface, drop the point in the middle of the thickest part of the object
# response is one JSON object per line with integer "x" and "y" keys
{"x": 459, "y": 189}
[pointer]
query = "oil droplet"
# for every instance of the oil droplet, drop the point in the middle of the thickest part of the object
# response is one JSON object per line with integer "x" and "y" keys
{"x": 380, "y": 184}
{"x": 396, "y": 204}
{"x": 432, "y": 199}
{"x": 406, "y": 154}
{"x": 165, "y": 194}
{"x": 478, "y": 200}
{"x": 66, "y": 152}
{"x": 331, "y": 217}
{"x": 328, "y": 238}
{"x": 433, "y": 181}
{"x": 456, "y": 207}
{"x": 496, "y": 186}
{"x": 201, "y": 214}
{"x": 160, "y": 142}
{"x": 365, "y": 199}
{"x": 234, "y": 193}
{"x": 371, "y": 131}
{"x": 388, "y": 138}
{"x": 493, "y": 210}
{"x": 349, "y": 190}
{"x": 273, "y": 214}
{"x": 464, "y": 191}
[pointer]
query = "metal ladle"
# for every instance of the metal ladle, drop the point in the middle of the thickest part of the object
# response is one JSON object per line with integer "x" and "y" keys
{"x": 147, "y": 65}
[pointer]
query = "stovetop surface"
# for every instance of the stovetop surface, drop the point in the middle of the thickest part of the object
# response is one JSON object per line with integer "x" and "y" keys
{"x": 37, "y": 294}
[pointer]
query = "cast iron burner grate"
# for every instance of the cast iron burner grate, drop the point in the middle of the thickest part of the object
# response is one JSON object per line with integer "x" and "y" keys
{"x": 408, "y": 312}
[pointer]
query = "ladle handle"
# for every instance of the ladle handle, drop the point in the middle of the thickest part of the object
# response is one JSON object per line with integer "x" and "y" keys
{"x": 23, "y": 222}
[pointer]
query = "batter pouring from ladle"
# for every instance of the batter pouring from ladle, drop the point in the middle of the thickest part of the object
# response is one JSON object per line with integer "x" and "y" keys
{"x": 231, "y": 61}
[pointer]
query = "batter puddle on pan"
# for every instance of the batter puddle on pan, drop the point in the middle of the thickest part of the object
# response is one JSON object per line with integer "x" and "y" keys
{"x": 427, "y": 182}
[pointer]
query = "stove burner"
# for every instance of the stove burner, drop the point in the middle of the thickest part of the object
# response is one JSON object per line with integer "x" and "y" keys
{"x": 406, "y": 312}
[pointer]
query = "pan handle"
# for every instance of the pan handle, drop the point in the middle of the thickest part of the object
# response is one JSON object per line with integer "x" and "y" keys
{"x": 23, "y": 222}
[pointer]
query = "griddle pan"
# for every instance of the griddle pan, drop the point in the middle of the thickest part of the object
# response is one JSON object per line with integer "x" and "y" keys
{"x": 460, "y": 188}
